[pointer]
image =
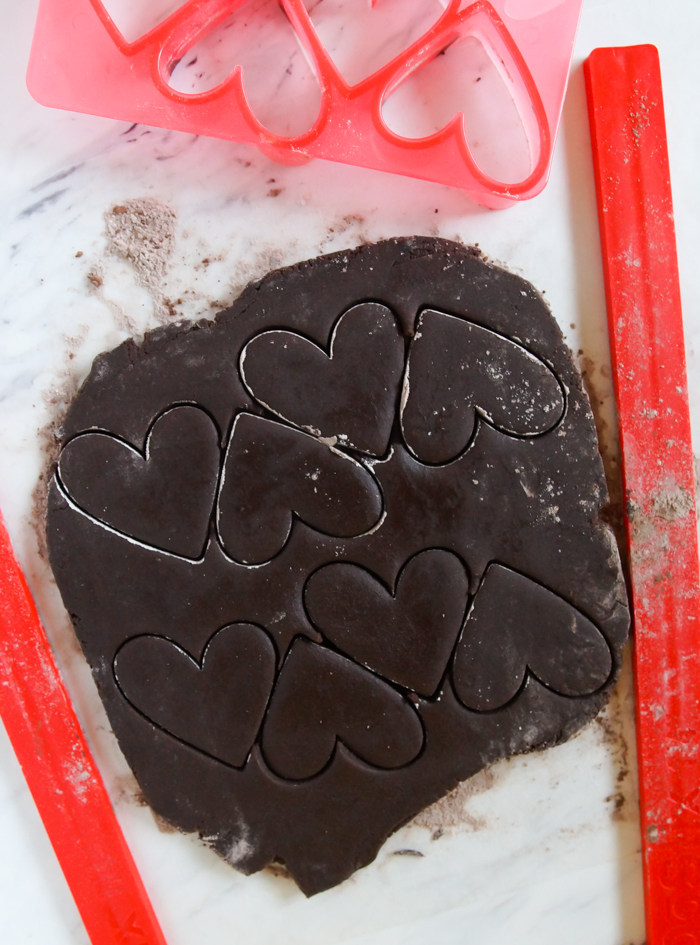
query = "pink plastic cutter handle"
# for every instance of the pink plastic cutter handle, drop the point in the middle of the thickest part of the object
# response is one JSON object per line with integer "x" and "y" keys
{"x": 80, "y": 61}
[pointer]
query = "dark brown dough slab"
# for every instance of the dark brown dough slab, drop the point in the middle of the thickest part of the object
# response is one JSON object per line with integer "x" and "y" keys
{"x": 322, "y": 698}
{"x": 407, "y": 636}
{"x": 273, "y": 472}
{"x": 528, "y": 503}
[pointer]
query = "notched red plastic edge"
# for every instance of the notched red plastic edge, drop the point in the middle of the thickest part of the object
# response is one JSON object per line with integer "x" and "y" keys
{"x": 646, "y": 335}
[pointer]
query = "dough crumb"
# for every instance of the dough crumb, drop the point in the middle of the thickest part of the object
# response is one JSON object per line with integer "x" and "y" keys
{"x": 142, "y": 231}
{"x": 451, "y": 810}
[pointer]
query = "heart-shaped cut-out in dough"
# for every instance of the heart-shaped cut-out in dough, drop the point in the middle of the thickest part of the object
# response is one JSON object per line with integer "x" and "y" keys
{"x": 163, "y": 498}
{"x": 320, "y": 698}
{"x": 348, "y": 396}
{"x": 516, "y": 625}
{"x": 272, "y": 472}
{"x": 362, "y": 36}
{"x": 407, "y": 637}
{"x": 216, "y": 704}
{"x": 458, "y": 371}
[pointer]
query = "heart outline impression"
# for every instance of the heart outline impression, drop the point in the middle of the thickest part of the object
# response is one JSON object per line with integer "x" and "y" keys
{"x": 274, "y": 474}
{"x": 153, "y": 485}
{"x": 487, "y": 377}
{"x": 424, "y": 610}
{"x": 364, "y": 361}
{"x": 160, "y": 680}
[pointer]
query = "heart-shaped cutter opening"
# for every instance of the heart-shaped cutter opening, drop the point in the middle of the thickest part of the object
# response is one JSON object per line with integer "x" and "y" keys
{"x": 480, "y": 22}
{"x": 362, "y": 36}
{"x": 256, "y": 39}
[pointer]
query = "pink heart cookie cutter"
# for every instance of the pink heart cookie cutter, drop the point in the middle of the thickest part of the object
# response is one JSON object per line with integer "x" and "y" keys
{"x": 80, "y": 61}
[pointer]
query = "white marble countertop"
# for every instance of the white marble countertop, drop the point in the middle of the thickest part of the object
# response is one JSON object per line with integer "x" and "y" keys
{"x": 542, "y": 849}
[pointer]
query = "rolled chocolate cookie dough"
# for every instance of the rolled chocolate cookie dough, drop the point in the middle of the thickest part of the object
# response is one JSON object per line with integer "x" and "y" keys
{"x": 338, "y": 550}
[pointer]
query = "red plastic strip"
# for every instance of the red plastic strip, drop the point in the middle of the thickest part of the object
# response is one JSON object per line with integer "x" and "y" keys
{"x": 62, "y": 776}
{"x": 646, "y": 334}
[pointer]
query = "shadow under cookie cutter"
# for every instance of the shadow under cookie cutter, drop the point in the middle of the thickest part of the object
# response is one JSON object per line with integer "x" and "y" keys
{"x": 80, "y": 61}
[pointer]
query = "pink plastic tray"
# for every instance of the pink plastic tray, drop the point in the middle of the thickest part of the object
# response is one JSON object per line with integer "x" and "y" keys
{"x": 82, "y": 62}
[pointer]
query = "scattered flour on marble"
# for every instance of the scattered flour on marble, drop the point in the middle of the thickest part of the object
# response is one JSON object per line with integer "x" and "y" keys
{"x": 57, "y": 399}
{"x": 452, "y": 811}
{"x": 614, "y": 727}
{"x": 349, "y": 230}
{"x": 142, "y": 231}
{"x": 122, "y": 321}
{"x": 195, "y": 303}
{"x": 247, "y": 270}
